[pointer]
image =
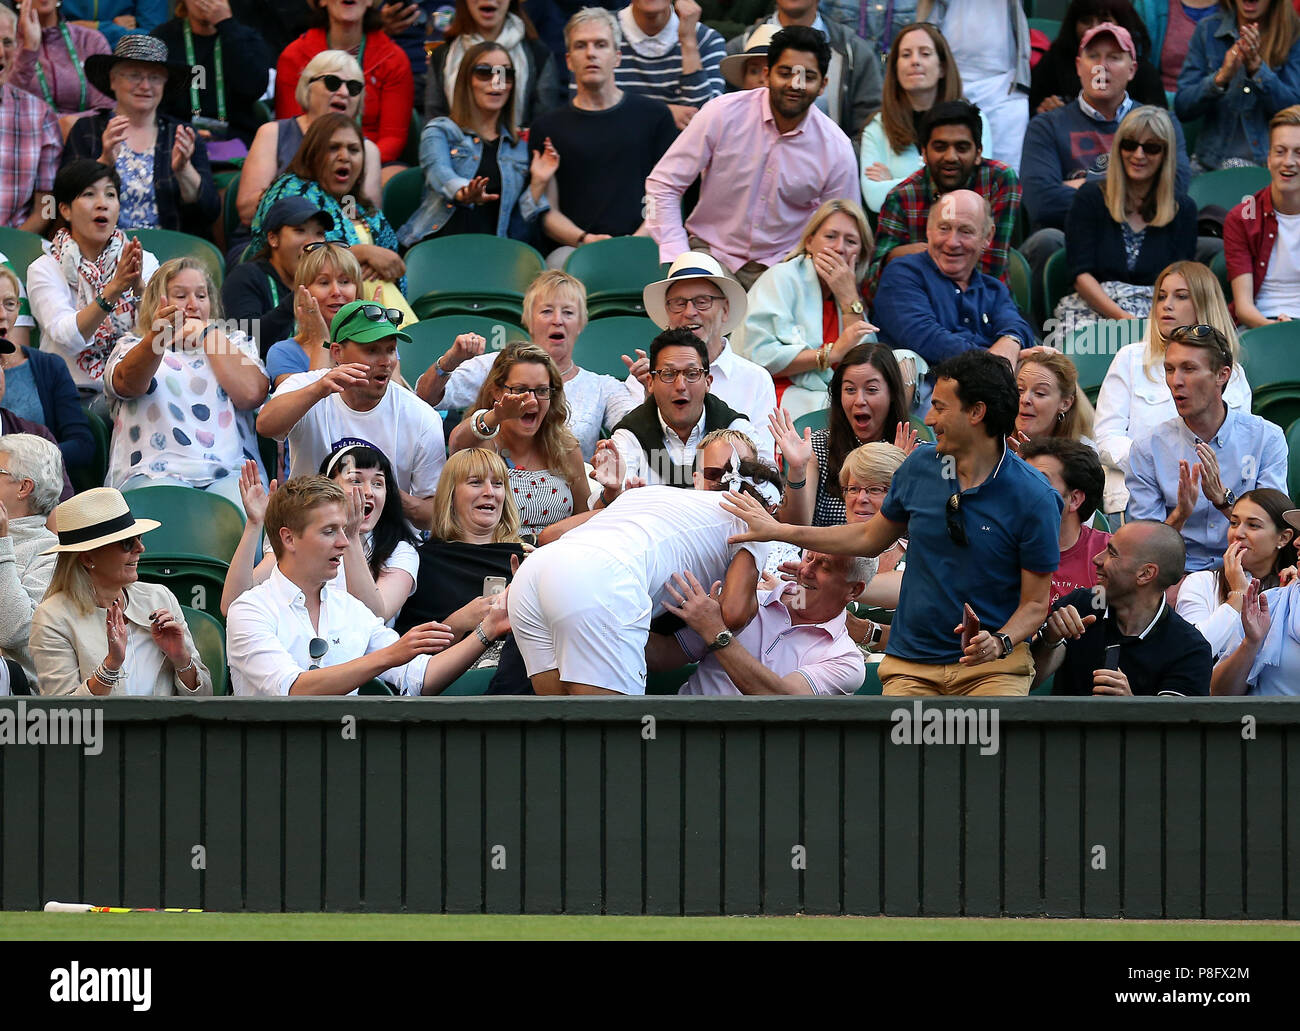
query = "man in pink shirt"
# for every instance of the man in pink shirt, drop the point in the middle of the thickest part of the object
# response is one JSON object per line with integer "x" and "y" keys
{"x": 1074, "y": 471}
{"x": 768, "y": 159}
{"x": 797, "y": 644}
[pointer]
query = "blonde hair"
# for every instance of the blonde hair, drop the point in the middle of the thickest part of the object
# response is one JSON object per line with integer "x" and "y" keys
{"x": 1208, "y": 304}
{"x": 1078, "y": 419}
{"x": 487, "y": 465}
{"x": 291, "y": 504}
{"x": 736, "y": 438}
{"x": 1161, "y": 204}
{"x": 315, "y": 262}
{"x": 330, "y": 62}
{"x": 7, "y": 273}
{"x": 155, "y": 291}
{"x": 855, "y": 212}
{"x": 596, "y": 14}
{"x": 553, "y": 435}
{"x": 872, "y": 463}
{"x": 70, "y": 577}
{"x": 550, "y": 285}
{"x": 1278, "y": 30}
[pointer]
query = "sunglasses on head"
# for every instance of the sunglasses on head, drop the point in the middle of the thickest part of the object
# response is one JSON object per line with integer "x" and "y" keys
{"x": 333, "y": 82}
{"x": 378, "y": 313}
{"x": 488, "y": 72}
{"x": 1202, "y": 333}
{"x": 1152, "y": 148}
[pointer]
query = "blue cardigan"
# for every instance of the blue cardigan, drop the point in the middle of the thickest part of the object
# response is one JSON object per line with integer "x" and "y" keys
{"x": 1094, "y": 242}
{"x": 1244, "y": 107}
{"x": 61, "y": 405}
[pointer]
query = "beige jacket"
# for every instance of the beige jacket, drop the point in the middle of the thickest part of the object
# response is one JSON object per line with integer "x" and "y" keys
{"x": 68, "y": 644}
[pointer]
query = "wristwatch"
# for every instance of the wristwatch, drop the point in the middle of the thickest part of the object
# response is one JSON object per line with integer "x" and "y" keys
{"x": 1007, "y": 646}
{"x": 1229, "y": 499}
{"x": 721, "y": 641}
{"x": 855, "y": 307}
{"x": 877, "y": 632}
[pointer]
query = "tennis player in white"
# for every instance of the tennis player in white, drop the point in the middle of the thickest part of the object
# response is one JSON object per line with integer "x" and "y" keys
{"x": 581, "y": 606}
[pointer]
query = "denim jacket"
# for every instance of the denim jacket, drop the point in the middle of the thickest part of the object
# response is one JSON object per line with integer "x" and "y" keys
{"x": 1248, "y": 102}
{"x": 449, "y": 156}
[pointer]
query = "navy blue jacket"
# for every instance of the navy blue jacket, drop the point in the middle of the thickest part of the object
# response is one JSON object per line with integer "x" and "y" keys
{"x": 1094, "y": 242}
{"x": 61, "y": 405}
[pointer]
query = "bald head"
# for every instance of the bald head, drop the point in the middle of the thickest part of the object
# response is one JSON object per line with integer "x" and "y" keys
{"x": 958, "y": 229}
{"x": 1158, "y": 544}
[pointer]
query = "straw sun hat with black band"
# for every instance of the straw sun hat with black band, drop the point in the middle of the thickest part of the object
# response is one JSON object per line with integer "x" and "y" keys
{"x": 94, "y": 518}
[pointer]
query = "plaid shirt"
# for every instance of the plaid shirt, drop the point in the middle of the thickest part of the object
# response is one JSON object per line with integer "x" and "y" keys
{"x": 902, "y": 218}
{"x": 30, "y": 143}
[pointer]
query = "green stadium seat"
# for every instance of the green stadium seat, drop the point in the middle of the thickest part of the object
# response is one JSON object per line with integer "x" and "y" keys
{"x": 197, "y": 585}
{"x": 229, "y": 210}
{"x": 210, "y": 638}
{"x": 198, "y": 526}
{"x": 1219, "y": 266}
{"x": 20, "y": 249}
{"x": 402, "y": 195}
{"x": 602, "y": 344}
{"x": 1271, "y": 357}
{"x": 164, "y": 244}
{"x": 432, "y": 338}
{"x": 1293, "y": 460}
{"x": 814, "y": 421}
{"x": 669, "y": 681}
{"x": 474, "y": 274}
{"x": 922, "y": 430}
{"x": 375, "y": 687}
{"x": 471, "y": 682}
{"x": 411, "y": 152}
{"x": 1021, "y": 278}
{"x": 84, "y": 477}
{"x": 1280, "y": 407}
{"x": 1092, "y": 348}
{"x": 1056, "y": 282}
{"x": 871, "y": 682}
{"x": 615, "y": 272}
{"x": 1227, "y": 187}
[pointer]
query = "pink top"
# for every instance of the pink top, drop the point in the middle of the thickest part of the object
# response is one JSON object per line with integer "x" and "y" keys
{"x": 759, "y": 187}
{"x": 1178, "y": 37}
{"x": 822, "y": 653}
{"x": 60, "y": 73}
{"x": 1076, "y": 569}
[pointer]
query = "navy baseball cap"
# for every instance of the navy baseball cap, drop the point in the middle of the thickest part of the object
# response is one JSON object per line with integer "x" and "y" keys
{"x": 294, "y": 211}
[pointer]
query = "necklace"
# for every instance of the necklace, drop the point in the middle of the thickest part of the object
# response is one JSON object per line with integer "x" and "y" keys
{"x": 565, "y": 374}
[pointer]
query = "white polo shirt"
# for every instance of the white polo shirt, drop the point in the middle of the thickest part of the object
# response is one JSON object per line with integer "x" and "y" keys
{"x": 403, "y": 427}
{"x": 744, "y": 385}
{"x": 822, "y": 653}
{"x": 269, "y": 633}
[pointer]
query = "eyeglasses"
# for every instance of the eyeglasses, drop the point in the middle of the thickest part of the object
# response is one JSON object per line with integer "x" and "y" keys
{"x": 137, "y": 77}
{"x": 488, "y": 72}
{"x": 956, "y": 528}
{"x": 1202, "y": 333}
{"x": 317, "y": 649}
{"x": 703, "y": 302}
{"x": 378, "y": 313}
{"x": 669, "y": 376}
{"x": 333, "y": 82}
{"x": 541, "y": 393}
{"x": 1152, "y": 148}
{"x": 876, "y": 490}
{"x": 14, "y": 475}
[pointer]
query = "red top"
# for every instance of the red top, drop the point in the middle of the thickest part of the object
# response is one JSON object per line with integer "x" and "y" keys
{"x": 1076, "y": 569}
{"x": 830, "y": 321}
{"x": 1249, "y": 233}
{"x": 390, "y": 88}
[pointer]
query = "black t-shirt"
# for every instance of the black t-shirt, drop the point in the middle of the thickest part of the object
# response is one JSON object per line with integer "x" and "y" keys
{"x": 481, "y": 218}
{"x": 605, "y": 157}
{"x": 250, "y": 293}
{"x": 1171, "y": 659}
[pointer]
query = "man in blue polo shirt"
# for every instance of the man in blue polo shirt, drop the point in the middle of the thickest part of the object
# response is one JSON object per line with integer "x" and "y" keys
{"x": 983, "y": 529}
{"x": 938, "y": 303}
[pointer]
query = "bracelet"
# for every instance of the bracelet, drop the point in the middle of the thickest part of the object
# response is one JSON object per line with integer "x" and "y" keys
{"x": 479, "y": 425}
{"x": 186, "y": 669}
{"x": 1240, "y": 593}
{"x": 824, "y": 357}
{"x": 103, "y": 304}
{"x": 107, "y": 676}
{"x": 439, "y": 371}
{"x": 791, "y": 485}
{"x": 482, "y": 637}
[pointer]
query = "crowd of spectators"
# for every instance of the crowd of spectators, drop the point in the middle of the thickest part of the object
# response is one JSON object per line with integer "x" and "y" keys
{"x": 856, "y": 442}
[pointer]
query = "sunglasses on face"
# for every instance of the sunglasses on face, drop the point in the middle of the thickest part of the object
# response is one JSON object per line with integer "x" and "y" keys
{"x": 488, "y": 72}
{"x": 333, "y": 82}
{"x": 1152, "y": 148}
{"x": 129, "y": 544}
{"x": 713, "y": 474}
{"x": 956, "y": 527}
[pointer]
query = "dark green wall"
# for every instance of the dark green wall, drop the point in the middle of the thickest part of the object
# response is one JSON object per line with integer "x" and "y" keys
{"x": 702, "y": 819}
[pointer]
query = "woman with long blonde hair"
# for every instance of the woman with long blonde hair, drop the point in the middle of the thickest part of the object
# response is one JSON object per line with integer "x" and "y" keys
{"x": 1121, "y": 232}
{"x": 521, "y": 414}
{"x": 1134, "y": 398}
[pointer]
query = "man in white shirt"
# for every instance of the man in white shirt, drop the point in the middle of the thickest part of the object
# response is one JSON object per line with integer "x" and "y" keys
{"x": 291, "y": 636}
{"x": 798, "y": 644}
{"x": 355, "y": 402}
{"x": 581, "y": 606}
{"x": 657, "y": 440}
{"x": 674, "y": 303}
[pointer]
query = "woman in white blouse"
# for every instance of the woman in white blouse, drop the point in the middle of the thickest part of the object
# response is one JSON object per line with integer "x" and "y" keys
{"x": 99, "y": 630}
{"x": 1261, "y": 545}
{"x": 555, "y": 314}
{"x": 1135, "y": 398}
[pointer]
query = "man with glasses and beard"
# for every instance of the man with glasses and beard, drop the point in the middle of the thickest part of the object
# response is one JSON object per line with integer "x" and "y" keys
{"x": 983, "y": 530}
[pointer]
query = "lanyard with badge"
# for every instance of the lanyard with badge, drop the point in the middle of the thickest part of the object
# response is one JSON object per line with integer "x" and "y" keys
{"x": 44, "y": 83}
{"x": 218, "y": 126}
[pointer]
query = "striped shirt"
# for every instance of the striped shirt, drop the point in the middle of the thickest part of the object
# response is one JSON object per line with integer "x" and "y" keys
{"x": 30, "y": 142}
{"x": 661, "y": 78}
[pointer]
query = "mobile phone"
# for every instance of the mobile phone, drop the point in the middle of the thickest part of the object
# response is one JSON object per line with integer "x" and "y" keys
{"x": 970, "y": 626}
{"x": 493, "y": 585}
{"x": 1112, "y": 657}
